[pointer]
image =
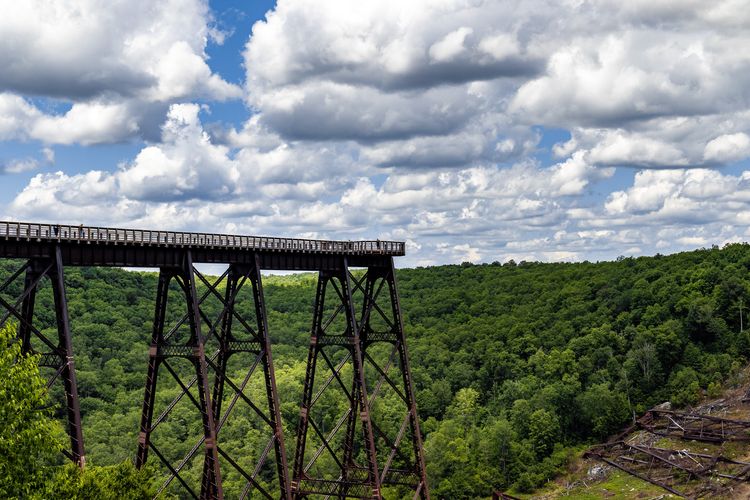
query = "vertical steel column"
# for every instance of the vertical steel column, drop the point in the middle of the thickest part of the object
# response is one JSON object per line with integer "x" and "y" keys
{"x": 157, "y": 340}
{"x": 361, "y": 399}
{"x": 197, "y": 341}
{"x": 59, "y": 355}
{"x": 364, "y": 323}
{"x": 307, "y": 391}
{"x": 272, "y": 394}
{"x": 260, "y": 347}
{"x": 68, "y": 372}
{"x": 194, "y": 350}
{"x": 350, "y": 434}
{"x": 423, "y": 488}
{"x": 27, "y": 307}
{"x": 225, "y": 338}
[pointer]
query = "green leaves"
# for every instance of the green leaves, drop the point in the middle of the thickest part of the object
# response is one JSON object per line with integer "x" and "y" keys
{"x": 513, "y": 365}
{"x": 27, "y": 433}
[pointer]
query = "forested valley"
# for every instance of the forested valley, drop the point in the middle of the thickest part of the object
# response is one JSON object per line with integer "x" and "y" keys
{"x": 517, "y": 366}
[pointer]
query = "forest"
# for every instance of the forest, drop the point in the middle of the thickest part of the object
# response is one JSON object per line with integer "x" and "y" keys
{"x": 517, "y": 366}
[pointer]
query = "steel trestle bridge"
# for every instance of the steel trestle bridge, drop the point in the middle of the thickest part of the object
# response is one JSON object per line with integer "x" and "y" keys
{"x": 356, "y": 320}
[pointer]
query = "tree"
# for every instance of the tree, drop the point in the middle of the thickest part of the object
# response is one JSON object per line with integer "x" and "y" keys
{"x": 684, "y": 387}
{"x": 114, "y": 482}
{"x": 602, "y": 410}
{"x": 544, "y": 430}
{"x": 29, "y": 442}
{"x": 28, "y": 434}
{"x": 643, "y": 360}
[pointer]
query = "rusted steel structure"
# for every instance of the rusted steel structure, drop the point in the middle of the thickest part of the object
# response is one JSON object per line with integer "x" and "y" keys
{"x": 673, "y": 470}
{"x": 501, "y": 495}
{"x": 364, "y": 456}
{"x": 694, "y": 426}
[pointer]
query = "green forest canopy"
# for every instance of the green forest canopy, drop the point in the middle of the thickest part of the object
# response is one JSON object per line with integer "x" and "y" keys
{"x": 516, "y": 366}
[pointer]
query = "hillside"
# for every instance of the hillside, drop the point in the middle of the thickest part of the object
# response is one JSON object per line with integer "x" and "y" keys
{"x": 702, "y": 451}
{"x": 518, "y": 367}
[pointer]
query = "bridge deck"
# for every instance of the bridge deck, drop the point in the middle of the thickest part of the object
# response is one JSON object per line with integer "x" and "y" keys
{"x": 104, "y": 246}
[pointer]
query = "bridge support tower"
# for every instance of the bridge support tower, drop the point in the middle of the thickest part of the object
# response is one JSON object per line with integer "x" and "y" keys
{"x": 357, "y": 342}
{"x": 235, "y": 337}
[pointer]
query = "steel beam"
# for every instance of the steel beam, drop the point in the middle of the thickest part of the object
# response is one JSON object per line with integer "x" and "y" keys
{"x": 154, "y": 360}
{"x": 232, "y": 344}
{"x": 694, "y": 426}
{"x": 354, "y": 480}
{"x": 411, "y": 400}
{"x": 113, "y": 254}
{"x": 68, "y": 374}
{"x": 161, "y": 350}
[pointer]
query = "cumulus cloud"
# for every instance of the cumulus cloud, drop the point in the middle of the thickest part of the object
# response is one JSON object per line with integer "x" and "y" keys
{"x": 186, "y": 165}
{"x": 376, "y": 72}
{"x": 684, "y": 195}
{"x": 112, "y": 61}
{"x": 389, "y": 44}
{"x": 27, "y": 164}
{"x": 16, "y": 166}
{"x": 423, "y": 121}
{"x": 647, "y": 87}
{"x": 728, "y": 147}
{"x": 93, "y": 49}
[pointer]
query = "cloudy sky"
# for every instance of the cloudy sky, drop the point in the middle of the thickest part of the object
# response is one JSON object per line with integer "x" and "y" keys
{"x": 475, "y": 130}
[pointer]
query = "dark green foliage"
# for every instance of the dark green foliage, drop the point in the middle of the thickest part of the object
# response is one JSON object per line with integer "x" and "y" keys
{"x": 602, "y": 409}
{"x": 515, "y": 366}
{"x": 30, "y": 442}
{"x": 114, "y": 482}
{"x": 27, "y": 433}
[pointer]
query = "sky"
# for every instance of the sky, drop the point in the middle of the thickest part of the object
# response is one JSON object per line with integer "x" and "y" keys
{"x": 474, "y": 130}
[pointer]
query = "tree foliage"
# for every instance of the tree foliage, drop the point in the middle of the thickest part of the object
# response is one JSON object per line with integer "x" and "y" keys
{"x": 27, "y": 434}
{"x": 514, "y": 365}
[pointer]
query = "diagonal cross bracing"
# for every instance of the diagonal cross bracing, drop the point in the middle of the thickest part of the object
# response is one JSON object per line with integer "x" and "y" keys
{"x": 357, "y": 471}
{"x": 350, "y": 354}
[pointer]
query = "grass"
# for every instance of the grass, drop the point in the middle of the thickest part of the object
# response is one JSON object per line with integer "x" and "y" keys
{"x": 616, "y": 486}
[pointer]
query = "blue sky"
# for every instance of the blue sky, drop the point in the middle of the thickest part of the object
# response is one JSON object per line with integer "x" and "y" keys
{"x": 477, "y": 131}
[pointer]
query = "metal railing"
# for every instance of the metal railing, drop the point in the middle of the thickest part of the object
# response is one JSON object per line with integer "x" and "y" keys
{"x": 94, "y": 234}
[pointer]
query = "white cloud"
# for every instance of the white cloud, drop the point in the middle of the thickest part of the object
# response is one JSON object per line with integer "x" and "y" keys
{"x": 450, "y": 46}
{"x": 49, "y": 154}
{"x": 422, "y": 121}
{"x": 186, "y": 165}
{"x": 387, "y": 43}
{"x": 16, "y": 116}
{"x": 18, "y": 166}
{"x": 641, "y": 87}
{"x": 112, "y": 61}
{"x": 727, "y": 148}
{"x": 92, "y": 49}
{"x": 395, "y": 73}
{"x": 85, "y": 123}
{"x": 27, "y": 164}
